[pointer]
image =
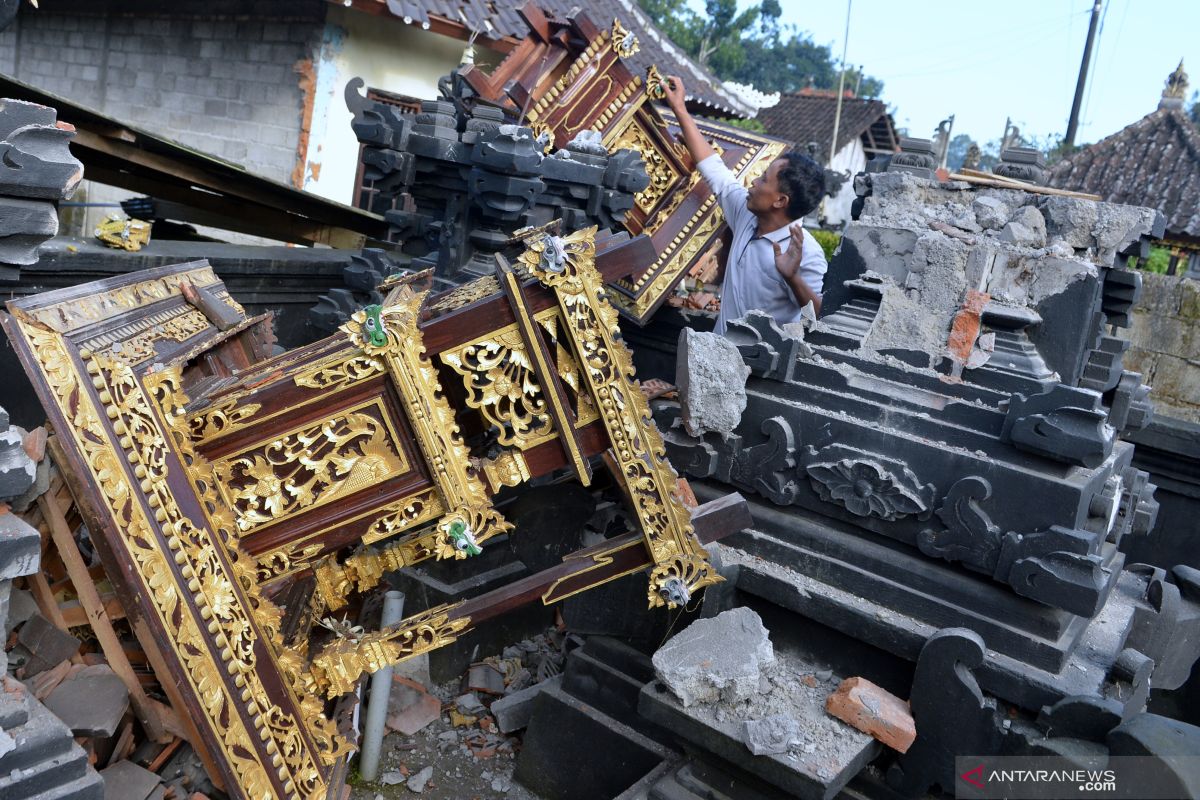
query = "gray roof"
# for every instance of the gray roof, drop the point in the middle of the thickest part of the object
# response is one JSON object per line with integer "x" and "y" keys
{"x": 703, "y": 87}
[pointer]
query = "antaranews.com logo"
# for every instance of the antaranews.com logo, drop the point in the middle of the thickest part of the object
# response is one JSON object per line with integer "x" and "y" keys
{"x": 1057, "y": 778}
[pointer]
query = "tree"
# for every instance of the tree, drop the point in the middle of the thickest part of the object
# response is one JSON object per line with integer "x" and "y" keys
{"x": 1194, "y": 108}
{"x": 753, "y": 47}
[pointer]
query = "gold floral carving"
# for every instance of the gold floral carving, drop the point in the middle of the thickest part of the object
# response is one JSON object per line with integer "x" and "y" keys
{"x": 342, "y": 372}
{"x": 409, "y": 513}
{"x": 415, "y": 378}
{"x": 337, "y": 668}
{"x": 540, "y": 130}
{"x": 310, "y": 467}
{"x": 292, "y": 557}
{"x": 656, "y": 84}
{"x": 134, "y": 343}
{"x": 472, "y": 292}
{"x": 591, "y": 324}
{"x": 624, "y": 43}
{"x": 221, "y": 419}
{"x": 502, "y": 386}
{"x": 78, "y": 312}
{"x": 194, "y": 564}
{"x": 662, "y": 174}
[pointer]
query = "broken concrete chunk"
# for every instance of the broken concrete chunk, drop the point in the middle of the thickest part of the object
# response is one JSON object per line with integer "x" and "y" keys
{"x": 417, "y": 782}
{"x": 874, "y": 710}
{"x": 1027, "y": 228}
{"x": 716, "y": 659}
{"x": 91, "y": 702}
{"x": 20, "y": 547}
{"x": 990, "y": 212}
{"x": 47, "y": 645}
{"x": 513, "y": 711}
{"x": 711, "y": 377}
{"x": 774, "y": 734}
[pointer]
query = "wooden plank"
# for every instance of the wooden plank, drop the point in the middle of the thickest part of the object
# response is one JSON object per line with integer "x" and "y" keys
{"x": 1000, "y": 182}
{"x": 97, "y": 616}
{"x": 75, "y": 614}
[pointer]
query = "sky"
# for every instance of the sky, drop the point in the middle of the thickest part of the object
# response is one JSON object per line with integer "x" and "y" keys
{"x": 985, "y": 60}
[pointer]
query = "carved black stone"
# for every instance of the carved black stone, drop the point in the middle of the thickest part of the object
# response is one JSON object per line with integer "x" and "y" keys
{"x": 894, "y": 500}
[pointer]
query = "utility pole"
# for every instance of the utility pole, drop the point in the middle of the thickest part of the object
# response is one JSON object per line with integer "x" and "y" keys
{"x": 1073, "y": 122}
{"x": 837, "y": 116}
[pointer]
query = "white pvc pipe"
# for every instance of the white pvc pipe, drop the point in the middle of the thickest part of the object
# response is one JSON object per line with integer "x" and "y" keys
{"x": 381, "y": 690}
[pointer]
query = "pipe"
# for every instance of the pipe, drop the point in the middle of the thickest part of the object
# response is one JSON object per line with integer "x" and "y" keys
{"x": 381, "y": 690}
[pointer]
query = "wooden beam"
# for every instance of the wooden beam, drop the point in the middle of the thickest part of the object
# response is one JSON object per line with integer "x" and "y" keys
{"x": 97, "y": 617}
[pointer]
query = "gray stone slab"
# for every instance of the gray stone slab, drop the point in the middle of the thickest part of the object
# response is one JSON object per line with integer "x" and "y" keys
{"x": 818, "y": 775}
{"x": 20, "y": 547}
{"x": 91, "y": 703}
{"x": 125, "y": 780}
{"x": 711, "y": 377}
{"x": 47, "y": 645}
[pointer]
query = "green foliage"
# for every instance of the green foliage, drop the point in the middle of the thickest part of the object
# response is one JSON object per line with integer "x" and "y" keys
{"x": 747, "y": 125}
{"x": 1194, "y": 108}
{"x": 1157, "y": 261}
{"x": 754, "y": 47}
{"x": 829, "y": 241}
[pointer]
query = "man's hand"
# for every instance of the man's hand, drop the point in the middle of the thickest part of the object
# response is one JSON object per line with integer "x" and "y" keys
{"x": 675, "y": 94}
{"x": 788, "y": 263}
{"x": 692, "y": 138}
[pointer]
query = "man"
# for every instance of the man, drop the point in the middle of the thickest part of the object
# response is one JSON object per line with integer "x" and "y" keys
{"x": 774, "y": 265}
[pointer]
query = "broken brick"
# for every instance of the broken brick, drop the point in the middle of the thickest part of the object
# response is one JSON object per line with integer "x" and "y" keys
{"x": 875, "y": 711}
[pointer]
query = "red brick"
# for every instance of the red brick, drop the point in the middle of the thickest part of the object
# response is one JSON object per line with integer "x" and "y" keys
{"x": 875, "y": 711}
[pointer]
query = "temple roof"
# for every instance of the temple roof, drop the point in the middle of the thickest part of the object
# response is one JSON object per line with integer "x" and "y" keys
{"x": 704, "y": 88}
{"x": 1154, "y": 162}
{"x": 808, "y": 115}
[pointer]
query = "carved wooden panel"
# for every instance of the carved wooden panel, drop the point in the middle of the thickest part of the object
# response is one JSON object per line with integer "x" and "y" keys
{"x": 209, "y": 472}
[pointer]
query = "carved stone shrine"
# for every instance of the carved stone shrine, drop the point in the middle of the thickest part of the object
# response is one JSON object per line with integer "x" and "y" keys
{"x": 938, "y": 472}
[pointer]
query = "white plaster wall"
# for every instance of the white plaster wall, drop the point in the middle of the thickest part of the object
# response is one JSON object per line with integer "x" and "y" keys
{"x": 386, "y": 54}
{"x": 850, "y": 159}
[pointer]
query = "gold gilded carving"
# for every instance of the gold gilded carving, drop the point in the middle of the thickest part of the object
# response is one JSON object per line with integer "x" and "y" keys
{"x": 221, "y": 419}
{"x": 340, "y": 373}
{"x": 662, "y": 174}
{"x": 502, "y": 385}
{"x": 337, "y": 668}
{"x": 474, "y": 291}
{"x": 507, "y": 469}
{"x": 310, "y": 467}
{"x": 656, "y": 84}
{"x": 416, "y": 380}
{"x": 624, "y": 43}
{"x": 567, "y": 265}
{"x": 78, "y": 312}
{"x": 285, "y": 560}
{"x": 585, "y": 61}
{"x": 405, "y": 515}
{"x": 541, "y": 130}
{"x": 134, "y": 343}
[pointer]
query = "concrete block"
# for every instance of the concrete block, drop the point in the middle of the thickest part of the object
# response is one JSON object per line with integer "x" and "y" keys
{"x": 716, "y": 659}
{"x": 711, "y": 377}
{"x": 513, "y": 712}
{"x": 777, "y": 733}
{"x": 874, "y": 710}
{"x": 47, "y": 644}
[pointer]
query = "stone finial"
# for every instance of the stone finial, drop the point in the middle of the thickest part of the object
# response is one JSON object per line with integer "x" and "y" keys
{"x": 916, "y": 156}
{"x": 1175, "y": 89}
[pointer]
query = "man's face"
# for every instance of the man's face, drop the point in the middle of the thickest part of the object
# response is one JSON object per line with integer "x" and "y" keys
{"x": 764, "y": 196}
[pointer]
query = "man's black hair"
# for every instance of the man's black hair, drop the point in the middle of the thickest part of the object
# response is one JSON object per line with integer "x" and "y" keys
{"x": 803, "y": 181}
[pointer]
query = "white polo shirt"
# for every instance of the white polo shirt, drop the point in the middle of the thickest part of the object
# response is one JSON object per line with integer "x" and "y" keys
{"x": 751, "y": 280}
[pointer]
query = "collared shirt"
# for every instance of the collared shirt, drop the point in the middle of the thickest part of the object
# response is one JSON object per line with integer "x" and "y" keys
{"x": 751, "y": 279}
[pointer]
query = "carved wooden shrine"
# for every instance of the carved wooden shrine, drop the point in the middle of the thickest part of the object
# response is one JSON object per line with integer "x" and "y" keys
{"x": 566, "y": 78}
{"x": 213, "y": 475}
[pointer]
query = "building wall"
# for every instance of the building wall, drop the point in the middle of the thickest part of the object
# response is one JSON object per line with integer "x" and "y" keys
{"x": 227, "y": 84}
{"x": 850, "y": 159}
{"x": 1165, "y": 336}
{"x": 386, "y": 54}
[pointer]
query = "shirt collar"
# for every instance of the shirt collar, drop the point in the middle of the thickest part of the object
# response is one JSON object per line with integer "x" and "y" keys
{"x": 779, "y": 235}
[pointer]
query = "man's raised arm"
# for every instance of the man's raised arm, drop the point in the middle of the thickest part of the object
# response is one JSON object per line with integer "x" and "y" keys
{"x": 695, "y": 142}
